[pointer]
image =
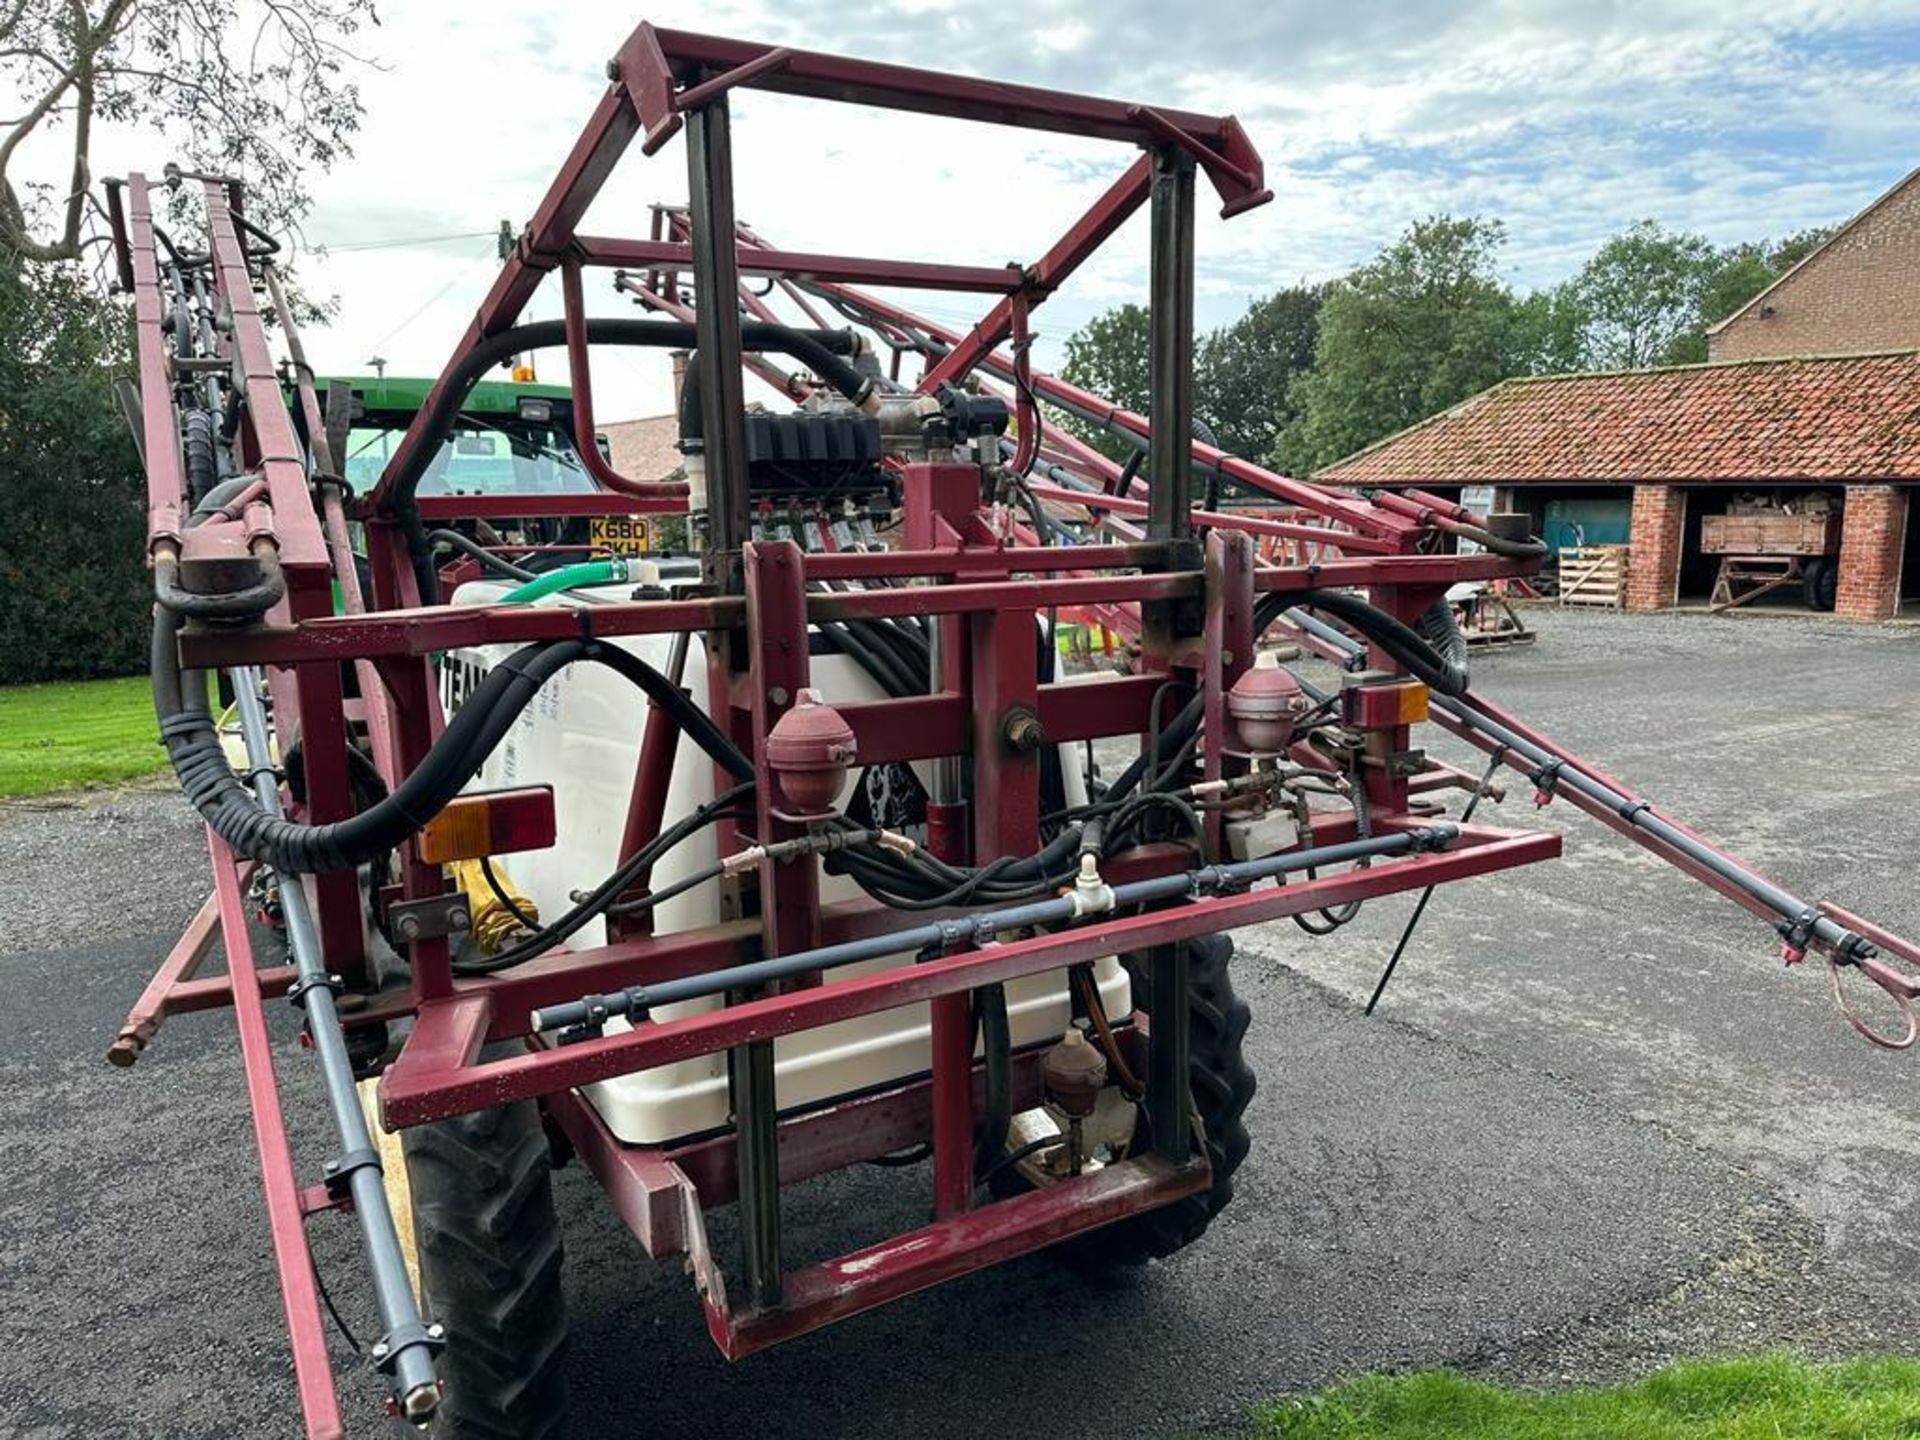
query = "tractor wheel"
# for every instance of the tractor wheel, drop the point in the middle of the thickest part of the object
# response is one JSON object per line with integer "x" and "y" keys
{"x": 490, "y": 1255}
{"x": 1822, "y": 580}
{"x": 1222, "y": 1085}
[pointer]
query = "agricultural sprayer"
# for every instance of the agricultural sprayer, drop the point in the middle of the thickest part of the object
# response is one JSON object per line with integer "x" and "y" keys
{"x": 718, "y": 871}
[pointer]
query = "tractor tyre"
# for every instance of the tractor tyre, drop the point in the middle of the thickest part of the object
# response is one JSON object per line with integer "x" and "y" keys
{"x": 1222, "y": 1086}
{"x": 1821, "y": 577}
{"x": 490, "y": 1255}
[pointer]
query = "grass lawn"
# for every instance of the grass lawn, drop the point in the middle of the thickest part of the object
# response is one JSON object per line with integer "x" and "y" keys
{"x": 1773, "y": 1397}
{"x": 89, "y": 732}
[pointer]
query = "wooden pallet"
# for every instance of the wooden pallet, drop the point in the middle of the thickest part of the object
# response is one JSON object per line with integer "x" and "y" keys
{"x": 1488, "y": 621}
{"x": 1594, "y": 575}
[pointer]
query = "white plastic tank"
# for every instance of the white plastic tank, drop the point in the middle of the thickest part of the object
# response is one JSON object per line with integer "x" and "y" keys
{"x": 582, "y": 735}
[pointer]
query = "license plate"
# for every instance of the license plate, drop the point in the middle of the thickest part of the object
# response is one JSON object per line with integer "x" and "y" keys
{"x": 622, "y": 534}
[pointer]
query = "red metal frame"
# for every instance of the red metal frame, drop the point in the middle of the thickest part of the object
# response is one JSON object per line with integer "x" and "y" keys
{"x": 985, "y": 598}
{"x": 988, "y": 581}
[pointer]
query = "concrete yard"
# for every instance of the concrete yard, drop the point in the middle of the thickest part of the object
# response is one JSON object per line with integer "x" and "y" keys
{"x": 1594, "y": 1125}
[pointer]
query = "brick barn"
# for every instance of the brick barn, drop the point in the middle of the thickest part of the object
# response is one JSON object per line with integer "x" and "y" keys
{"x": 1644, "y": 456}
{"x": 1810, "y": 399}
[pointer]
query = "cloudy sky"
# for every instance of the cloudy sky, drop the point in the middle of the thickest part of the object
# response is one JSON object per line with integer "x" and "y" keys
{"x": 1739, "y": 118}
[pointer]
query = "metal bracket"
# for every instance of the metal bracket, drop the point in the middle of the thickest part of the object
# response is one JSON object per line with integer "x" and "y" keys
{"x": 297, "y": 991}
{"x": 401, "y": 1337}
{"x": 694, "y": 96}
{"x": 339, "y": 1173}
{"x": 429, "y": 917}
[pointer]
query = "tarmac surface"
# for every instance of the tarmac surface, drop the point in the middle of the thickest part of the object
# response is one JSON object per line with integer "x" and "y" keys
{"x": 1594, "y": 1124}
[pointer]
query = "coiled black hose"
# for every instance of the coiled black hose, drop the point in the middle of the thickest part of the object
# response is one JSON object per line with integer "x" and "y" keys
{"x": 193, "y": 745}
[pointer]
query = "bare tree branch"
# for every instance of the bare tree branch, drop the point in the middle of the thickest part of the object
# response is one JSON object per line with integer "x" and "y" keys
{"x": 264, "y": 105}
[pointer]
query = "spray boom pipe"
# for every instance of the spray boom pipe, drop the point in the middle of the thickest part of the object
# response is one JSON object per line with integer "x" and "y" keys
{"x": 1799, "y": 923}
{"x": 944, "y": 936}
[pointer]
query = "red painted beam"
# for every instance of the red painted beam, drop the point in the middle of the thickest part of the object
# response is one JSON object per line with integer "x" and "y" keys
{"x": 286, "y": 1216}
{"x": 419, "y": 1097}
{"x": 801, "y": 265}
{"x": 422, "y": 631}
{"x": 961, "y": 97}
{"x": 527, "y": 507}
{"x": 905, "y": 1264}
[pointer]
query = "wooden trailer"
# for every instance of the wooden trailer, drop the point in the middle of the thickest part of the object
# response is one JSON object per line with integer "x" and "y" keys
{"x": 1763, "y": 550}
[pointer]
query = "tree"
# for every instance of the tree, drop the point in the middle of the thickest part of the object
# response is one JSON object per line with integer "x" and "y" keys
{"x": 1643, "y": 294}
{"x": 1789, "y": 250}
{"x": 1422, "y": 326}
{"x": 1108, "y": 355}
{"x": 1736, "y": 275}
{"x": 1244, "y": 372}
{"x": 72, "y": 502}
{"x": 1648, "y": 295}
{"x": 1549, "y": 332}
{"x": 258, "y": 88}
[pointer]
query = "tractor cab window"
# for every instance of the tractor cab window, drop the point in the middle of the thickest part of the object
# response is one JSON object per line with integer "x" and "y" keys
{"x": 483, "y": 456}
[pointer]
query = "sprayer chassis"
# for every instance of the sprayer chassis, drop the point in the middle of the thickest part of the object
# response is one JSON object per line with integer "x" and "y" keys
{"x": 1191, "y": 602}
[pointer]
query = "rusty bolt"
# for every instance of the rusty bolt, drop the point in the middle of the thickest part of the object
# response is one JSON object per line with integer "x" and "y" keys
{"x": 407, "y": 927}
{"x": 1022, "y": 731}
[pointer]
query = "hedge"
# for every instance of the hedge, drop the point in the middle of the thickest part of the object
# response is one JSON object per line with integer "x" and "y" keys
{"x": 74, "y": 595}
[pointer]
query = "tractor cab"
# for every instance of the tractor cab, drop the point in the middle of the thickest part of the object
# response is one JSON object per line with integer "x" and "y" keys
{"x": 512, "y": 438}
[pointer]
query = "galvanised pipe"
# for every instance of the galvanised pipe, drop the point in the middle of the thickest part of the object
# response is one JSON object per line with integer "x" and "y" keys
{"x": 405, "y": 1351}
{"x": 972, "y": 929}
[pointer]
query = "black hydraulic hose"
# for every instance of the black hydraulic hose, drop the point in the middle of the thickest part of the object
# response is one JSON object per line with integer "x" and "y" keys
{"x": 602, "y": 899}
{"x": 216, "y": 498}
{"x": 880, "y": 667}
{"x": 1439, "y": 629}
{"x": 1532, "y": 548}
{"x": 1446, "y": 674}
{"x": 247, "y": 604}
{"x": 996, "y": 1053}
{"x": 199, "y": 454}
{"x": 928, "y": 882}
{"x": 970, "y": 930}
{"x": 907, "y": 645}
{"x": 193, "y": 745}
{"x": 499, "y": 564}
{"x": 805, "y": 346}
